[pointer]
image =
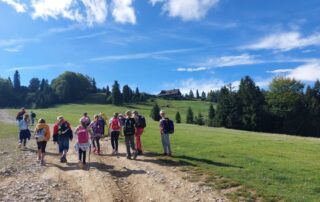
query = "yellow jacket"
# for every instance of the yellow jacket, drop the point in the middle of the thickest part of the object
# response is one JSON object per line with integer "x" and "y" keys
{"x": 46, "y": 127}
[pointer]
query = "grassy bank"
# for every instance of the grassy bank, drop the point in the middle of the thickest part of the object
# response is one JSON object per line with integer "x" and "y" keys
{"x": 270, "y": 166}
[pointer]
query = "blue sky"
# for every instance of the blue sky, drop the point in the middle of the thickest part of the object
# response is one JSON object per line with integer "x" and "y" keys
{"x": 162, "y": 44}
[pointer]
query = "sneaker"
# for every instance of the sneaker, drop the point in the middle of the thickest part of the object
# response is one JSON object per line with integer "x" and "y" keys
{"x": 140, "y": 152}
{"x": 164, "y": 154}
{"x": 19, "y": 146}
{"x": 42, "y": 163}
{"x": 113, "y": 152}
{"x": 99, "y": 152}
{"x": 94, "y": 150}
{"x": 135, "y": 154}
{"x": 38, "y": 159}
{"x": 129, "y": 157}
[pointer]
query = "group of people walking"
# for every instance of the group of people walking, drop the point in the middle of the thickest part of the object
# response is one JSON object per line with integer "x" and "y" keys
{"x": 88, "y": 134}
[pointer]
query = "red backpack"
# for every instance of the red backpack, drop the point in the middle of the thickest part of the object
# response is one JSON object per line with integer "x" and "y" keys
{"x": 83, "y": 136}
{"x": 115, "y": 125}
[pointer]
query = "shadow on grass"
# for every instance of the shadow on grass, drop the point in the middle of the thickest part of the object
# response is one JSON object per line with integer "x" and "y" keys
{"x": 183, "y": 161}
{"x": 206, "y": 161}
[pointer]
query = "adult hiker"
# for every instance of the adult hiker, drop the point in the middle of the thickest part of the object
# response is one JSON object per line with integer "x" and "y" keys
{"x": 128, "y": 131}
{"x": 85, "y": 118}
{"x": 42, "y": 135}
{"x": 103, "y": 118}
{"x": 166, "y": 128}
{"x": 20, "y": 114}
{"x": 33, "y": 117}
{"x": 140, "y": 125}
{"x": 83, "y": 145}
{"x": 97, "y": 127}
{"x": 114, "y": 130}
{"x": 62, "y": 134}
{"x": 24, "y": 132}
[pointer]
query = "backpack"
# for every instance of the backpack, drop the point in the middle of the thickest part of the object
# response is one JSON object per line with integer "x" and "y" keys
{"x": 65, "y": 130}
{"x": 83, "y": 136}
{"x": 128, "y": 128}
{"x": 168, "y": 126}
{"x": 98, "y": 127}
{"x": 40, "y": 134}
{"x": 33, "y": 115}
{"x": 19, "y": 116}
{"x": 141, "y": 122}
{"x": 115, "y": 124}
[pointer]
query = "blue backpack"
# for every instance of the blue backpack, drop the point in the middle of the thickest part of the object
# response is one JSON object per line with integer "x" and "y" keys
{"x": 168, "y": 126}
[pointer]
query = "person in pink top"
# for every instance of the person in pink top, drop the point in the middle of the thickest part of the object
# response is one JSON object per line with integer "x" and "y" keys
{"x": 83, "y": 132}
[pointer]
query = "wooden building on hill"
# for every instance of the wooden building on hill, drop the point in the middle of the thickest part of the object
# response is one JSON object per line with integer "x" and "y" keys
{"x": 173, "y": 94}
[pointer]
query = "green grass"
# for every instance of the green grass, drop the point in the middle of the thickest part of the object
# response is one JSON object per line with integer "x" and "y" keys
{"x": 8, "y": 130}
{"x": 269, "y": 166}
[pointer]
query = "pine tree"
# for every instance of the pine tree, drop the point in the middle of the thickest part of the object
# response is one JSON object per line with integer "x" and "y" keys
{"x": 190, "y": 116}
{"x": 203, "y": 96}
{"x": 94, "y": 86}
{"x": 200, "y": 120}
{"x": 116, "y": 95}
{"x": 191, "y": 95}
{"x": 197, "y": 94}
{"x": 126, "y": 94}
{"x": 16, "y": 80}
{"x": 178, "y": 117}
{"x": 211, "y": 116}
{"x": 34, "y": 84}
{"x": 154, "y": 114}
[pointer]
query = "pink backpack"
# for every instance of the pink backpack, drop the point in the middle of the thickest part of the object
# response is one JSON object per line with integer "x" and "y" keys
{"x": 83, "y": 136}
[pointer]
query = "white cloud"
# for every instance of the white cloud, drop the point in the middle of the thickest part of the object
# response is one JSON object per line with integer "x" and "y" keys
{"x": 55, "y": 9}
{"x": 134, "y": 56}
{"x": 19, "y": 7}
{"x": 39, "y": 67}
{"x": 14, "y": 49}
{"x": 227, "y": 61}
{"x": 186, "y": 9}
{"x": 96, "y": 11}
{"x": 306, "y": 72}
{"x": 190, "y": 69}
{"x": 280, "y": 71}
{"x": 123, "y": 12}
{"x": 285, "y": 41}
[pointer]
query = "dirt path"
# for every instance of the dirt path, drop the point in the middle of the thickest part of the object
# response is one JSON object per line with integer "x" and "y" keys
{"x": 112, "y": 178}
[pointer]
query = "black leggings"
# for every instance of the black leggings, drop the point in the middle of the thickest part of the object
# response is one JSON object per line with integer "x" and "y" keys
{"x": 82, "y": 156}
{"x": 114, "y": 139}
{"x": 96, "y": 140}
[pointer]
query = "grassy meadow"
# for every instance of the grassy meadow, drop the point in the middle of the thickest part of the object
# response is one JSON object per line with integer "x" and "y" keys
{"x": 271, "y": 167}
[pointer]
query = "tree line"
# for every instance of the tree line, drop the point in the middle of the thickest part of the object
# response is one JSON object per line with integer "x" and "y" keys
{"x": 286, "y": 107}
{"x": 66, "y": 88}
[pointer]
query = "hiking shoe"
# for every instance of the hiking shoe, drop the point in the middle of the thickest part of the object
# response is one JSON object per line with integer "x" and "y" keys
{"x": 42, "y": 163}
{"x": 129, "y": 157}
{"x": 135, "y": 154}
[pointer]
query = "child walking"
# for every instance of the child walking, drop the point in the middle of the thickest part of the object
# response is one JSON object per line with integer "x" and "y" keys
{"x": 114, "y": 130}
{"x": 97, "y": 127}
{"x": 129, "y": 131}
{"x": 42, "y": 135}
{"x": 83, "y": 144}
{"x": 24, "y": 132}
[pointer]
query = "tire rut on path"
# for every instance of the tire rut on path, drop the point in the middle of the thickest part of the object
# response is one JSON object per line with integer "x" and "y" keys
{"x": 115, "y": 178}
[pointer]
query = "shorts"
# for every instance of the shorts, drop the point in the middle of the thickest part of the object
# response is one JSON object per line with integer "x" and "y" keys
{"x": 24, "y": 134}
{"x": 63, "y": 144}
{"x": 42, "y": 146}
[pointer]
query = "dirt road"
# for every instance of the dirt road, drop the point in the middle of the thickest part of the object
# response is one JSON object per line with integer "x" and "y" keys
{"x": 108, "y": 178}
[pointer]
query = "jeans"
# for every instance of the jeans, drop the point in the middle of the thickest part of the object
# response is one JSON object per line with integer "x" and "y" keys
{"x": 63, "y": 143}
{"x": 166, "y": 143}
{"x": 130, "y": 143}
{"x": 82, "y": 156}
{"x": 115, "y": 139}
{"x": 138, "y": 134}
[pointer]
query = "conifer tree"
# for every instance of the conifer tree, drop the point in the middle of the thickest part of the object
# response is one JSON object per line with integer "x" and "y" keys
{"x": 190, "y": 118}
{"x": 116, "y": 94}
{"x": 154, "y": 114}
{"x": 178, "y": 117}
